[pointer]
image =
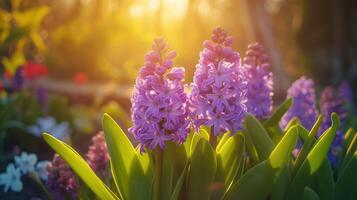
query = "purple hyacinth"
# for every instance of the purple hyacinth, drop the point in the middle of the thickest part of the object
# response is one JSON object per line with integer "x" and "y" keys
{"x": 61, "y": 180}
{"x": 218, "y": 94}
{"x": 304, "y": 106}
{"x": 345, "y": 91}
{"x": 159, "y": 111}
{"x": 259, "y": 81}
{"x": 97, "y": 156}
{"x": 330, "y": 102}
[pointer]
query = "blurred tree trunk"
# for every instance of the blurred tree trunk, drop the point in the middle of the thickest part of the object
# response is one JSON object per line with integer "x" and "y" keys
{"x": 264, "y": 31}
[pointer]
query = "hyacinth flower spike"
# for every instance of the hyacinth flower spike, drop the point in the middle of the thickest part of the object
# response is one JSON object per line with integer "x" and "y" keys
{"x": 259, "y": 81}
{"x": 331, "y": 102}
{"x": 218, "y": 91}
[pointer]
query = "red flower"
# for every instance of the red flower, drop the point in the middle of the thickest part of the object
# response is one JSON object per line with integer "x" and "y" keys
{"x": 34, "y": 70}
{"x": 80, "y": 78}
{"x": 1, "y": 87}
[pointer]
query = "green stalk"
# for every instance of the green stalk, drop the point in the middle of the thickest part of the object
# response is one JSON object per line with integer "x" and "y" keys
{"x": 213, "y": 139}
{"x": 158, "y": 168}
{"x": 41, "y": 185}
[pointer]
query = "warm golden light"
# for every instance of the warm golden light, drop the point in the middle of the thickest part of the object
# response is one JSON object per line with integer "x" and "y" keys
{"x": 168, "y": 9}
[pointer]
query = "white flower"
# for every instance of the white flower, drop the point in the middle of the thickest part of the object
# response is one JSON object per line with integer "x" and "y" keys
{"x": 41, "y": 169}
{"x": 26, "y": 162}
{"x": 49, "y": 125}
{"x": 11, "y": 179}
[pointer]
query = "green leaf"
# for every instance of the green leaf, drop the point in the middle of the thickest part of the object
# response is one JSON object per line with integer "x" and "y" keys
{"x": 228, "y": 160}
{"x": 176, "y": 193}
{"x": 313, "y": 161}
{"x": 309, "y": 141}
{"x": 202, "y": 171}
{"x": 202, "y": 134}
{"x": 347, "y": 181}
{"x": 272, "y": 124}
{"x": 258, "y": 182}
{"x": 80, "y": 167}
{"x": 349, "y": 153}
{"x": 324, "y": 181}
{"x": 223, "y": 140}
{"x": 132, "y": 172}
{"x": 309, "y": 194}
{"x": 259, "y": 136}
{"x": 173, "y": 163}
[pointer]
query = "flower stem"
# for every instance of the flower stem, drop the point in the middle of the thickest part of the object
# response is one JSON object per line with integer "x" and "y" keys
{"x": 158, "y": 165}
{"x": 213, "y": 139}
{"x": 41, "y": 185}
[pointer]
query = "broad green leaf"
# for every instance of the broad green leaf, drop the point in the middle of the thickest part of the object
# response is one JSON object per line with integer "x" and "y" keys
{"x": 176, "y": 193}
{"x": 228, "y": 160}
{"x": 309, "y": 194}
{"x": 259, "y": 136}
{"x": 282, "y": 184}
{"x": 173, "y": 163}
{"x": 202, "y": 171}
{"x": 347, "y": 181}
{"x": 313, "y": 161}
{"x": 223, "y": 140}
{"x": 80, "y": 167}
{"x": 272, "y": 124}
{"x": 202, "y": 133}
{"x": 258, "y": 182}
{"x": 324, "y": 181}
{"x": 132, "y": 172}
{"x": 308, "y": 143}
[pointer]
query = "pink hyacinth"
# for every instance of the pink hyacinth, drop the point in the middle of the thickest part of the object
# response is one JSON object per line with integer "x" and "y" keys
{"x": 61, "y": 180}
{"x": 97, "y": 156}
{"x": 218, "y": 91}
{"x": 159, "y": 111}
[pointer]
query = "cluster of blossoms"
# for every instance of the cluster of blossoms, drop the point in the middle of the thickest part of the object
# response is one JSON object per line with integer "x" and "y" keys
{"x": 259, "y": 81}
{"x": 24, "y": 164}
{"x": 218, "y": 96}
{"x": 159, "y": 110}
{"x": 333, "y": 101}
{"x": 62, "y": 182}
{"x": 304, "y": 108}
{"x": 98, "y": 156}
{"x": 61, "y": 179}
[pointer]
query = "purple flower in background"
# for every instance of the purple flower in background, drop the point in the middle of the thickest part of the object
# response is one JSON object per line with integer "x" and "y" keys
{"x": 42, "y": 96}
{"x": 218, "y": 94}
{"x": 304, "y": 106}
{"x": 159, "y": 111}
{"x": 330, "y": 102}
{"x": 61, "y": 180}
{"x": 97, "y": 156}
{"x": 259, "y": 81}
{"x": 18, "y": 79}
{"x": 345, "y": 91}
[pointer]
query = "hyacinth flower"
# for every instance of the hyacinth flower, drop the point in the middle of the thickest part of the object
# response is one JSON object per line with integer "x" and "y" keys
{"x": 330, "y": 102}
{"x": 97, "y": 155}
{"x": 345, "y": 91}
{"x": 218, "y": 91}
{"x": 304, "y": 103}
{"x": 61, "y": 181}
{"x": 159, "y": 111}
{"x": 259, "y": 81}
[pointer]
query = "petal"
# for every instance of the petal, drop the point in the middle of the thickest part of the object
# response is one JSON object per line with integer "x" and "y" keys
{"x": 17, "y": 186}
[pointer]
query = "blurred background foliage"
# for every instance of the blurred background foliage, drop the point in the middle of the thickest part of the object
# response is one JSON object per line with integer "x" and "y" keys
{"x": 107, "y": 39}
